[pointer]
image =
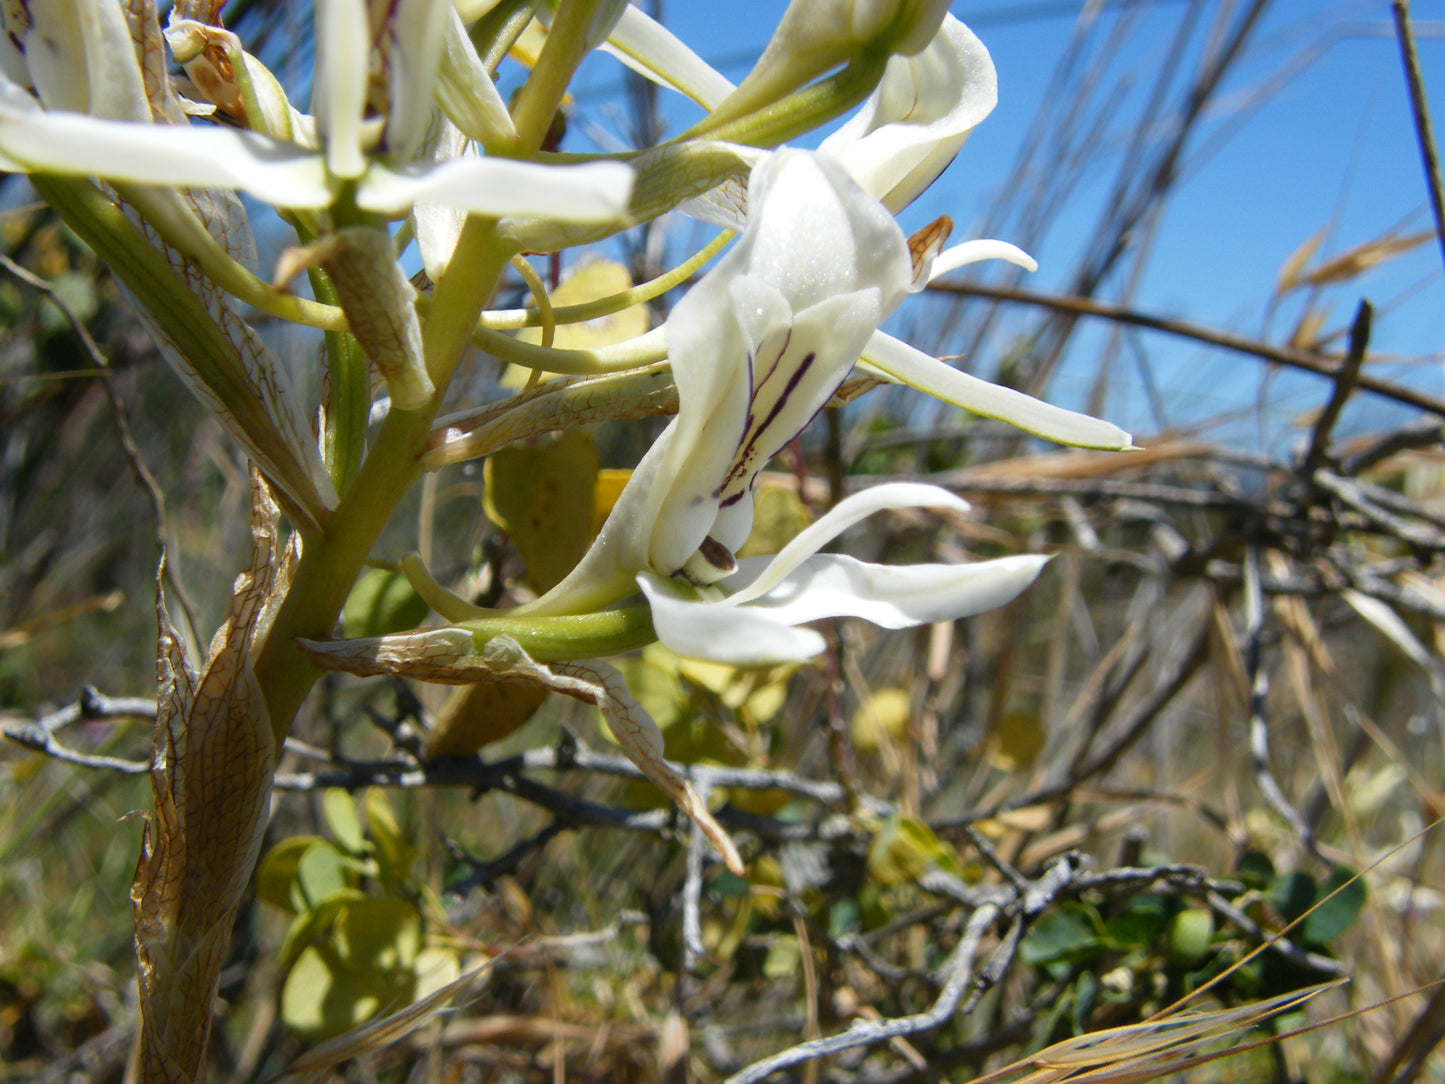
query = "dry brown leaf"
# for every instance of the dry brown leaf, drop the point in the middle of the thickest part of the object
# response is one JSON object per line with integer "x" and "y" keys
{"x": 211, "y": 771}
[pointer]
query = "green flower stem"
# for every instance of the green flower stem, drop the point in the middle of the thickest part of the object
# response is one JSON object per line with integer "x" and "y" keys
{"x": 541, "y": 95}
{"x": 620, "y": 357}
{"x": 512, "y": 319}
{"x": 578, "y": 636}
{"x": 185, "y": 233}
{"x": 329, "y": 566}
{"x": 800, "y": 112}
{"x": 348, "y": 382}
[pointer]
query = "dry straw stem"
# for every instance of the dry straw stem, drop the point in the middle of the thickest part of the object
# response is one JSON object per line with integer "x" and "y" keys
{"x": 1419, "y": 106}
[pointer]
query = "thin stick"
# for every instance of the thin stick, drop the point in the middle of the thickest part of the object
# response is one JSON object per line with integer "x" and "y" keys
{"x": 1420, "y": 107}
{"x": 1258, "y": 694}
{"x": 1280, "y": 355}
{"x": 1344, "y": 384}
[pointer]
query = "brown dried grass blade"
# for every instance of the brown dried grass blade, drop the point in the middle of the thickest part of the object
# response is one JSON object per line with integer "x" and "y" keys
{"x": 1356, "y": 261}
{"x": 1146, "y": 1051}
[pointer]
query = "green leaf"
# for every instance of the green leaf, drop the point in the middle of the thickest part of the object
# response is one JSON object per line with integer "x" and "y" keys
{"x": 784, "y": 959}
{"x": 779, "y": 515}
{"x": 902, "y": 849}
{"x": 276, "y": 874}
{"x": 1292, "y": 895}
{"x": 377, "y": 934}
{"x": 1255, "y": 869}
{"x": 382, "y": 602}
{"x": 393, "y": 852}
{"x": 338, "y": 808}
{"x": 881, "y": 720}
{"x": 1140, "y": 922}
{"x": 1069, "y": 935}
{"x": 322, "y": 997}
{"x": 321, "y": 872}
{"x": 1334, "y": 916}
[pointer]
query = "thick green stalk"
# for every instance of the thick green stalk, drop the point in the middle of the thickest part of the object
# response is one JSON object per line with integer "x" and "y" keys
{"x": 329, "y": 566}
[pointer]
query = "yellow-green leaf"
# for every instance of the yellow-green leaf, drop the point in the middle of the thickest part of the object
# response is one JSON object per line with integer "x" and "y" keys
{"x": 276, "y": 873}
{"x": 379, "y": 934}
{"x": 596, "y": 280}
{"x": 881, "y": 720}
{"x": 321, "y": 872}
{"x": 1015, "y": 740}
{"x": 393, "y": 852}
{"x": 779, "y": 514}
{"x": 542, "y": 496}
{"x": 474, "y": 716}
{"x": 902, "y": 849}
{"x": 338, "y": 808}
{"x": 322, "y": 997}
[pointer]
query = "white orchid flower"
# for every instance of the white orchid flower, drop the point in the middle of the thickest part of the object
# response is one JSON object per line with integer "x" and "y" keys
{"x": 758, "y": 347}
{"x": 370, "y": 156}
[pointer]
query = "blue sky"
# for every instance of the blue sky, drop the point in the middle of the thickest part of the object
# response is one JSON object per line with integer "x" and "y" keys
{"x": 1331, "y": 147}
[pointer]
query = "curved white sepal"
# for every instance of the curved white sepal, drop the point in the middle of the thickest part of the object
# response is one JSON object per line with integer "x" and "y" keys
{"x": 907, "y": 365}
{"x": 951, "y": 259}
{"x": 895, "y": 596}
{"x": 838, "y": 519}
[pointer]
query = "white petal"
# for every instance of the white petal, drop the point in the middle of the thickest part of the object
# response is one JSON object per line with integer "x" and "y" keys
{"x": 901, "y": 362}
{"x": 914, "y": 123}
{"x": 596, "y": 192}
{"x": 343, "y": 64}
{"x": 653, "y": 51}
{"x": 160, "y": 154}
{"x": 838, "y": 519}
{"x": 418, "y": 27}
{"x": 736, "y": 635}
{"x": 895, "y": 596}
{"x": 81, "y": 58}
{"x": 951, "y": 259}
{"x": 436, "y": 225}
{"x": 466, "y": 92}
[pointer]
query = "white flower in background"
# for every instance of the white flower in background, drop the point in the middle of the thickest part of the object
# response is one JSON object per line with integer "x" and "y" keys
{"x": 73, "y": 126}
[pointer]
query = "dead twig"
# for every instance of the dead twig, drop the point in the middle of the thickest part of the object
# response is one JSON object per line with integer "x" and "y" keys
{"x": 1281, "y": 355}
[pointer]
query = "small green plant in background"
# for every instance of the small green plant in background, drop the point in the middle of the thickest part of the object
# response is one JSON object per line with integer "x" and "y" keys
{"x": 358, "y": 943}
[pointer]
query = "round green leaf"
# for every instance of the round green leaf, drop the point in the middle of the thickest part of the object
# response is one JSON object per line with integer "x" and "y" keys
{"x": 382, "y": 602}
{"x": 1333, "y": 916}
{"x": 276, "y": 873}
